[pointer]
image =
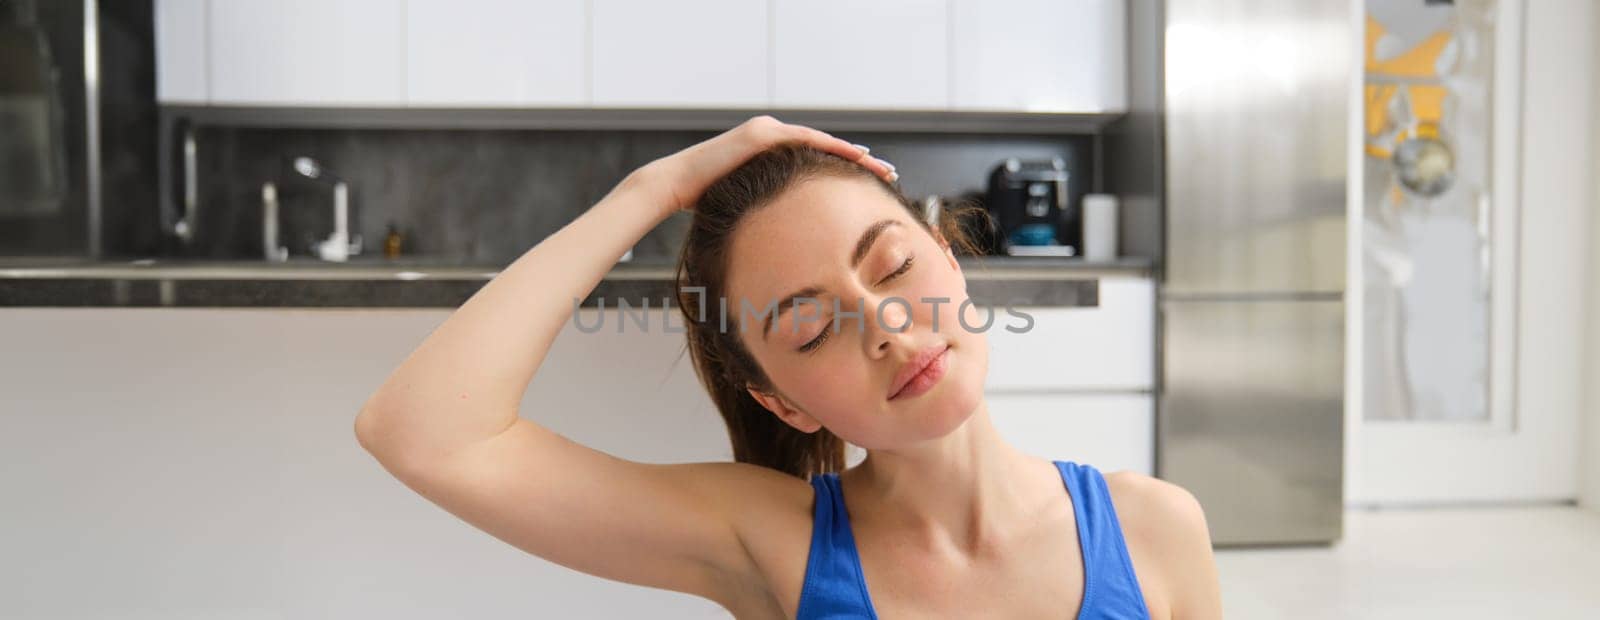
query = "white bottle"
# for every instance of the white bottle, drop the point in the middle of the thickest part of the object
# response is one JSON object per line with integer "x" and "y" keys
{"x": 1100, "y": 227}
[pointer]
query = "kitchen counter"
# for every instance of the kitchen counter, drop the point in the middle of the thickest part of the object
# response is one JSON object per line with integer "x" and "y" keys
{"x": 374, "y": 282}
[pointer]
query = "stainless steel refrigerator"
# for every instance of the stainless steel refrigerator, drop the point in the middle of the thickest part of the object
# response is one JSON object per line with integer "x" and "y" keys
{"x": 1254, "y": 113}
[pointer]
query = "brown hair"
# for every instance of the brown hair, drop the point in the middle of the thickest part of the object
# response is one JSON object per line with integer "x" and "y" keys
{"x": 720, "y": 359}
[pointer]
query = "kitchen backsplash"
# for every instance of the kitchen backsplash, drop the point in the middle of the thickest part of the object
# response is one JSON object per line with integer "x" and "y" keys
{"x": 486, "y": 196}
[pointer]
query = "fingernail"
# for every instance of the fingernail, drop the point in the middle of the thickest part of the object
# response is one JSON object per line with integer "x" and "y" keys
{"x": 893, "y": 176}
{"x": 885, "y": 163}
{"x": 864, "y": 150}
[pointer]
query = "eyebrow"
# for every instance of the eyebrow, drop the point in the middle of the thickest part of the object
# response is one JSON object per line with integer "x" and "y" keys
{"x": 863, "y": 245}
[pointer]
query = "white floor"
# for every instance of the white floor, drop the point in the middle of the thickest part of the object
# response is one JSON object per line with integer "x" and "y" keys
{"x": 1523, "y": 562}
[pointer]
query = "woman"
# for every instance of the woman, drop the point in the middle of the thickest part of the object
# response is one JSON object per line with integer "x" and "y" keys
{"x": 944, "y": 518}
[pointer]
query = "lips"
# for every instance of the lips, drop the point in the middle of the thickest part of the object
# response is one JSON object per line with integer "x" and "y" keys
{"x": 914, "y": 367}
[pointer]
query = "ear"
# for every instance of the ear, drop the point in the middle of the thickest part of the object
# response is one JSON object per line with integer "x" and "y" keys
{"x": 785, "y": 410}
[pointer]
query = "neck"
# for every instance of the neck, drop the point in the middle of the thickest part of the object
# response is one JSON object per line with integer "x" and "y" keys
{"x": 969, "y": 489}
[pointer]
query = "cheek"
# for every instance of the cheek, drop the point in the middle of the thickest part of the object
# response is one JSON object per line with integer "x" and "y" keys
{"x": 943, "y": 283}
{"x": 832, "y": 379}
{"x": 964, "y": 326}
{"x": 826, "y": 384}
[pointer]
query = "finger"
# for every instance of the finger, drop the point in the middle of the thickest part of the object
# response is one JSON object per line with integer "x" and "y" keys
{"x": 824, "y": 141}
{"x": 761, "y": 132}
{"x": 853, "y": 152}
{"x": 880, "y": 167}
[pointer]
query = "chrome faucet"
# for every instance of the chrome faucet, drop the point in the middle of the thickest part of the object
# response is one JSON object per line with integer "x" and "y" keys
{"x": 339, "y": 246}
{"x": 269, "y": 224}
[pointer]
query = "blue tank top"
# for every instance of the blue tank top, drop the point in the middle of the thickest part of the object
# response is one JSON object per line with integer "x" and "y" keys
{"x": 835, "y": 586}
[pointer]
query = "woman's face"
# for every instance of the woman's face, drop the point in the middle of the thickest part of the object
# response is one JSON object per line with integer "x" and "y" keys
{"x": 847, "y": 241}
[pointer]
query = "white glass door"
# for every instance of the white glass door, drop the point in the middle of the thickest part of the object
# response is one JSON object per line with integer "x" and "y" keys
{"x": 1469, "y": 331}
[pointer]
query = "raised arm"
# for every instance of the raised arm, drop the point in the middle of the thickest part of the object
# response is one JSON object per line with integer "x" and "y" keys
{"x": 446, "y": 424}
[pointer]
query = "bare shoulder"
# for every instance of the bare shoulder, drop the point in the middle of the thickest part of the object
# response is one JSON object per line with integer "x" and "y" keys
{"x": 754, "y": 495}
{"x": 771, "y": 514}
{"x": 1154, "y": 506}
{"x": 1167, "y": 536}
{"x": 758, "y": 501}
{"x": 746, "y": 486}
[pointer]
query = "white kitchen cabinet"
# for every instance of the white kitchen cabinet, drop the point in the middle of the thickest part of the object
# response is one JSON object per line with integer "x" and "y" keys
{"x": 973, "y": 55}
{"x": 845, "y": 54}
{"x": 1107, "y": 347}
{"x": 497, "y": 53}
{"x": 308, "y": 52}
{"x": 1109, "y": 431}
{"x": 1039, "y": 55}
{"x": 180, "y": 27}
{"x": 687, "y": 53}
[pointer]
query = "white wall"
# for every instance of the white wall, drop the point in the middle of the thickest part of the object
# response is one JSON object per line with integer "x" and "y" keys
{"x": 1355, "y": 272}
{"x": 1589, "y": 452}
{"x": 202, "y": 464}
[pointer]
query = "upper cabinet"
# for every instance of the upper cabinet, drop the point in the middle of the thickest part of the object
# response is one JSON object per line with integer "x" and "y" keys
{"x": 847, "y": 54}
{"x": 680, "y": 54}
{"x": 181, "y": 51}
{"x": 1064, "y": 56}
{"x": 308, "y": 52}
{"x": 1039, "y": 55}
{"x": 495, "y": 53}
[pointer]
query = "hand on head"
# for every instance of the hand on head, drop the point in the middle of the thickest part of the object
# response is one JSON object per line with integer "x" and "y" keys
{"x": 677, "y": 180}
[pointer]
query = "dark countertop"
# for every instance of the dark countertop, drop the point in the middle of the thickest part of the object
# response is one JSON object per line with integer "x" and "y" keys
{"x": 374, "y": 282}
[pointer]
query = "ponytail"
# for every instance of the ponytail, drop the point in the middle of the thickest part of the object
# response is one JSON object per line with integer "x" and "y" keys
{"x": 761, "y": 438}
{"x": 758, "y": 436}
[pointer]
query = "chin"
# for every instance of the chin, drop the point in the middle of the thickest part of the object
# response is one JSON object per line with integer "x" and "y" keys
{"x": 948, "y": 405}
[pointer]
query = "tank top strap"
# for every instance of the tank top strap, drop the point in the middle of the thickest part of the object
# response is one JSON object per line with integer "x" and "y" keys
{"x": 1110, "y": 588}
{"x": 834, "y": 585}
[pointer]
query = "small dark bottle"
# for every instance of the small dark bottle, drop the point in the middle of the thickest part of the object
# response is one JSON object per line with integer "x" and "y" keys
{"x": 392, "y": 242}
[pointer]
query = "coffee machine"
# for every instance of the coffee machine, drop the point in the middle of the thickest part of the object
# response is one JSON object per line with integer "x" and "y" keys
{"x": 1031, "y": 201}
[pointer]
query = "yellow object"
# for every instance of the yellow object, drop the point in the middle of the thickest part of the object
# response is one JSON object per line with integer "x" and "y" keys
{"x": 1426, "y": 100}
{"x": 1417, "y": 62}
{"x": 391, "y": 243}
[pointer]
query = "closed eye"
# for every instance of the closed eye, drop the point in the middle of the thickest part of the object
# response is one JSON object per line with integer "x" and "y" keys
{"x": 822, "y": 337}
{"x": 904, "y": 267}
{"x": 815, "y": 342}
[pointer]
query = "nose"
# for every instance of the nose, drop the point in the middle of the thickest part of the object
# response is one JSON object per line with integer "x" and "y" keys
{"x": 889, "y": 322}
